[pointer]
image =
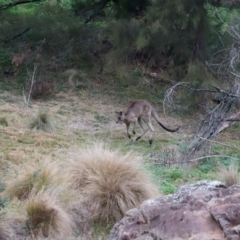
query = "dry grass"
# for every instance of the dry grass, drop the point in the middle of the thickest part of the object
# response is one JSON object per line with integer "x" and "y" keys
{"x": 46, "y": 218}
{"x": 230, "y": 175}
{"x": 101, "y": 183}
{"x": 16, "y": 156}
{"x": 14, "y": 229}
{"x": 32, "y": 177}
{"x": 110, "y": 182}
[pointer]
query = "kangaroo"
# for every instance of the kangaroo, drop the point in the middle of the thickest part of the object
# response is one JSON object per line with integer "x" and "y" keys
{"x": 140, "y": 111}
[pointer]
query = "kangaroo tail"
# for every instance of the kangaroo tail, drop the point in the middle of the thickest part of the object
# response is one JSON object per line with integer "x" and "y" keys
{"x": 156, "y": 117}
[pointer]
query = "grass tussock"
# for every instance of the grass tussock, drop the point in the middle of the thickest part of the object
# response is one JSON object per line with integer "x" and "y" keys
{"x": 33, "y": 177}
{"x": 110, "y": 182}
{"x": 46, "y": 218}
{"x": 3, "y": 122}
{"x": 43, "y": 122}
{"x": 230, "y": 175}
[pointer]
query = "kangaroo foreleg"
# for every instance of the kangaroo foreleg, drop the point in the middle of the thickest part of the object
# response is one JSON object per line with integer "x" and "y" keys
{"x": 134, "y": 126}
{"x": 128, "y": 134}
{"x": 140, "y": 123}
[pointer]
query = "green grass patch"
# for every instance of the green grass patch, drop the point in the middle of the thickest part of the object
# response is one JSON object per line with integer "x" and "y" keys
{"x": 101, "y": 118}
{"x": 170, "y": 178}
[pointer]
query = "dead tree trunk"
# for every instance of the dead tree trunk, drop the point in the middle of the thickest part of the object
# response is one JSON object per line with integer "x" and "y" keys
{"x": 230, "y": 121}
{"x": 209, "y": 128}
{"x": 216, "y": 121}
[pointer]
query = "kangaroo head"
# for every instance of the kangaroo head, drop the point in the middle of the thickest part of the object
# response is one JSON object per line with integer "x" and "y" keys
{"x": 120, "y": 117}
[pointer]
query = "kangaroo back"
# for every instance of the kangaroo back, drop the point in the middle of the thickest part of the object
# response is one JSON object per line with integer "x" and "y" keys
{"x": 137, "y": 109}
{"x": 156, "y": 117}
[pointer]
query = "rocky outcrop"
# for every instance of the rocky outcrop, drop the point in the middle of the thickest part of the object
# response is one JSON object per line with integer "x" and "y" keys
{"x": 205, "y": 210}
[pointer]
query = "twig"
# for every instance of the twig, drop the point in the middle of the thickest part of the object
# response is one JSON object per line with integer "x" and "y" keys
{"x": 213, "y": 156}
{"x": 209, "y": 140}
{"x": 168, "y": 99}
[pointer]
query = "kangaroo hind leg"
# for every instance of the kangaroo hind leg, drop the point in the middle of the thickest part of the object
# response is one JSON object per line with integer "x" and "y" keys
{"x": 134, "y": 127}
{"x": 152, "y": 129}
{"x": 144, "y": 130}
{"x": 150, "y": 126}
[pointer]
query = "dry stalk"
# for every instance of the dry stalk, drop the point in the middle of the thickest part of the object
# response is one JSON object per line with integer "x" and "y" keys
{"x": 28, "y": 98}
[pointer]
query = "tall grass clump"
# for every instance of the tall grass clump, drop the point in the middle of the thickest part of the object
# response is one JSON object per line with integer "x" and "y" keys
{"x": 229, "y": 175}
{"x": 3, "y": 121}
{"x": 43, "y": 122}
{"x": 33, "y": 177}
{"x": 110, "y": 182}
{"x": 46, "y": 217}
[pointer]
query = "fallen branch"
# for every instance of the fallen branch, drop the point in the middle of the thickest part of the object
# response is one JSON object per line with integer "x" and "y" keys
{"x": 233, "y": 120}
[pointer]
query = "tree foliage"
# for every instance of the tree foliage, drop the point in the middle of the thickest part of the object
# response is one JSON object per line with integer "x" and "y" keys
{"x": 93, "y": 9}
{"x": 169, "y": 35}
{"x": 173, "y": 36}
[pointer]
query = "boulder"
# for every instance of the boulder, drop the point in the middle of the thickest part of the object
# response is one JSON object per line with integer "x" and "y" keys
{"x": 206, "y": 210}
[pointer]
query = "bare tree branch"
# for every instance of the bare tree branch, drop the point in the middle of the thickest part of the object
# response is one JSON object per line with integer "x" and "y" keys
{"x": 169, "y": 99}
{"x": 13, "y": 4}
{"x": 17, "y": 35}
{"x": 223, "y": 144}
